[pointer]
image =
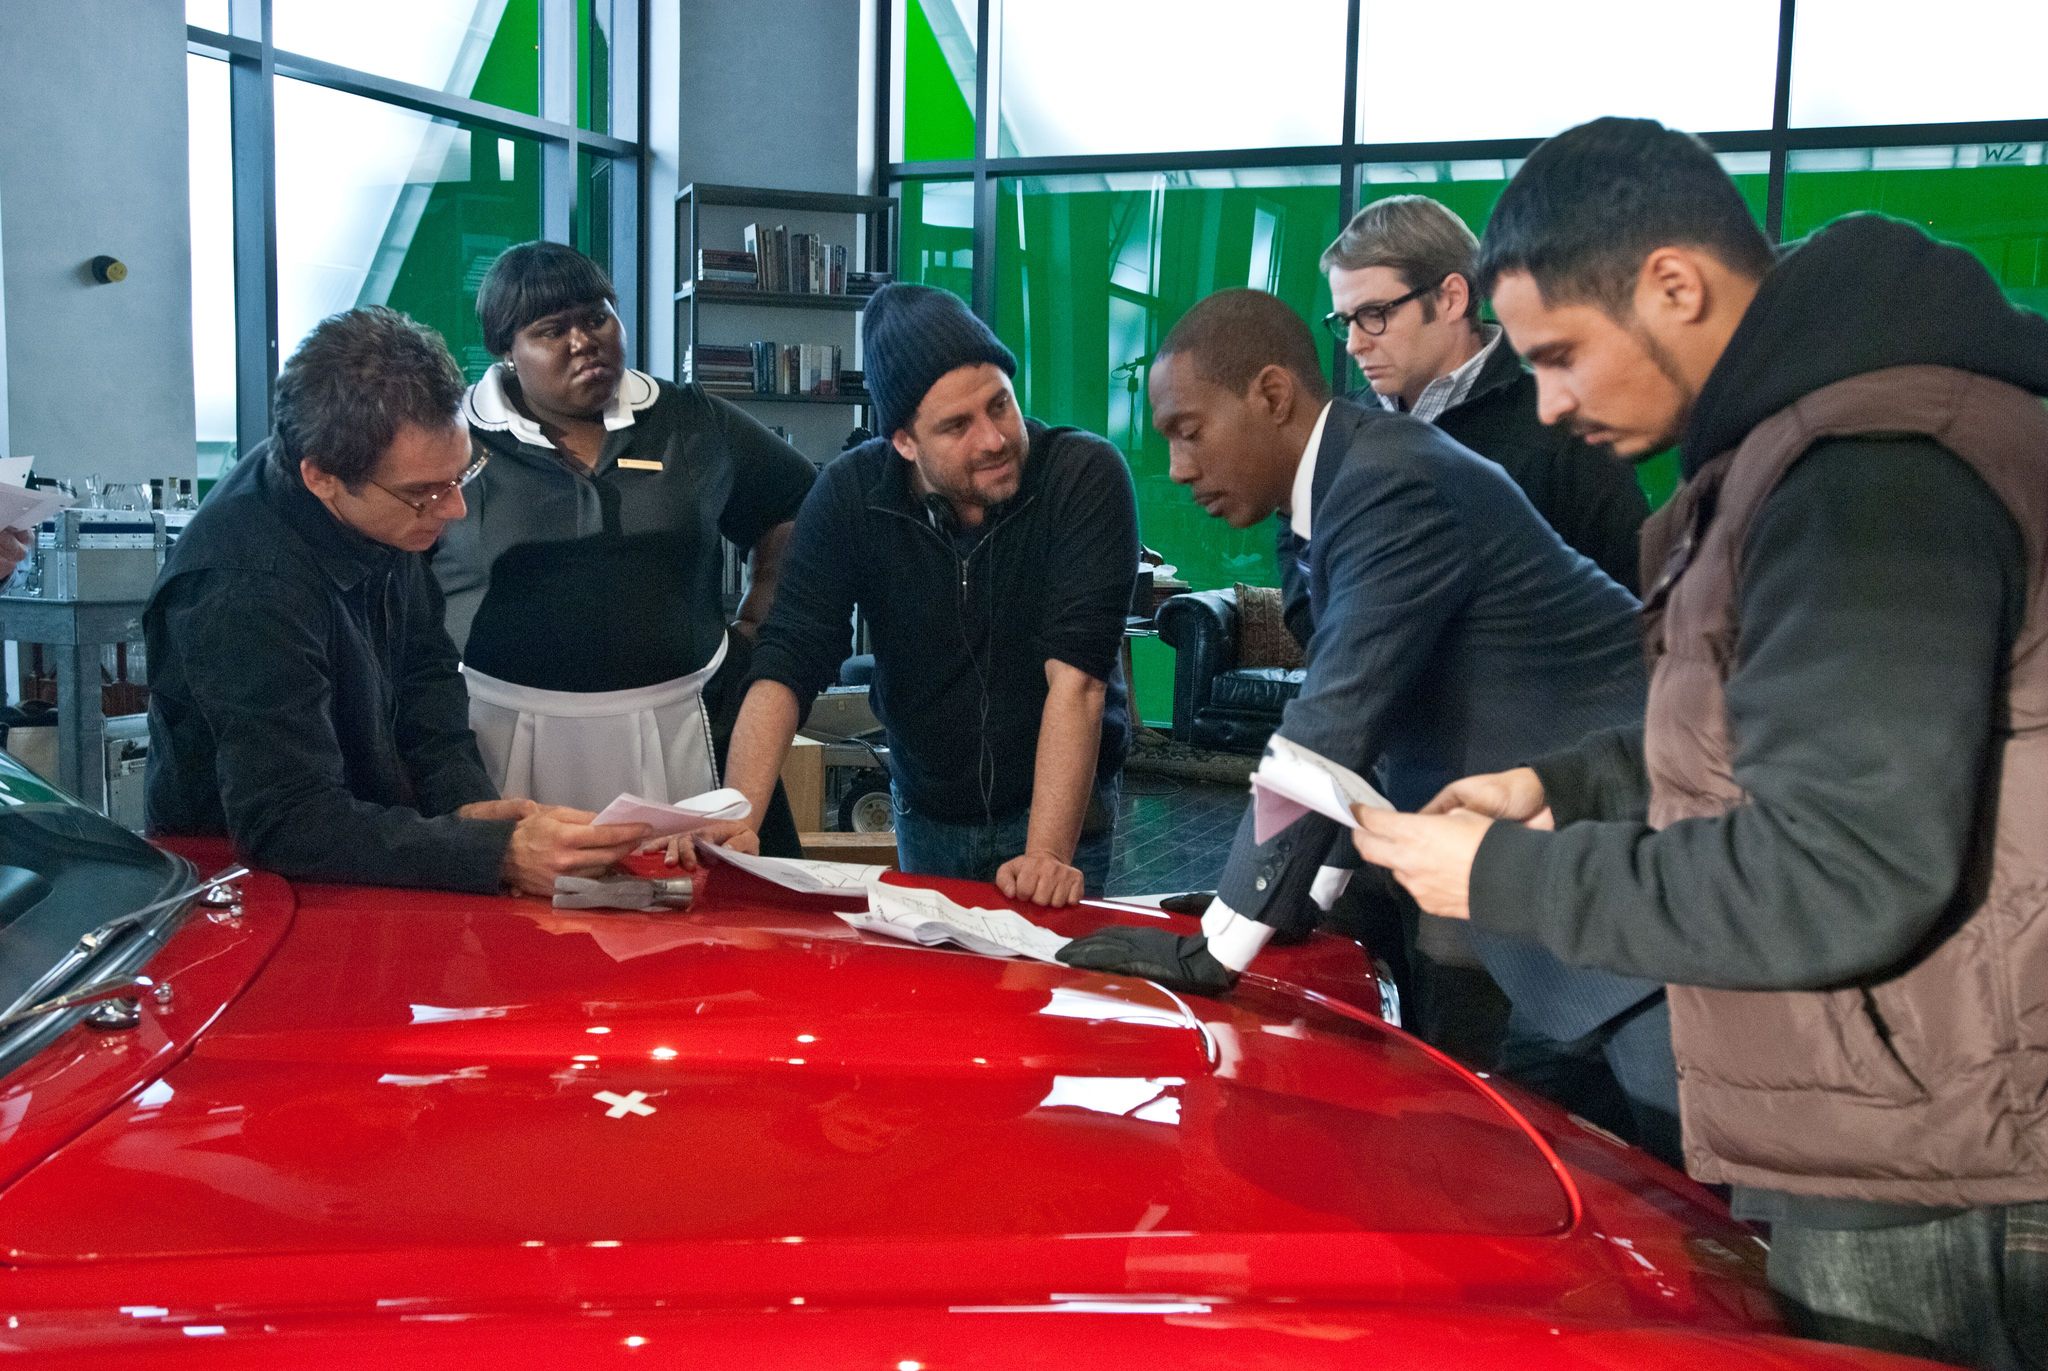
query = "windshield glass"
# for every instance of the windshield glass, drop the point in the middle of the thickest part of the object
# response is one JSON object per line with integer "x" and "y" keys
{"x": 64, "y": 872}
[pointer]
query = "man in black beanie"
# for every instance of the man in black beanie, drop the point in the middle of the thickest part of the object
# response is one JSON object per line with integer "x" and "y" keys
{"x": 993, "y": 558}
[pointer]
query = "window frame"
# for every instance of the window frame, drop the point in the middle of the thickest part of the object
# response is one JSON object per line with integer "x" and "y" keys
{"x": 255, "y": 64}
{"x": 1347, "y": 153}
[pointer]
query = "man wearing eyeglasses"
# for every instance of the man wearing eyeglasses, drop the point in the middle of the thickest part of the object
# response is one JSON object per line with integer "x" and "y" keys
{"x": 304, "y": 695}
{"x": 1401, "y": 277}
{"x": 1401, "y": 280}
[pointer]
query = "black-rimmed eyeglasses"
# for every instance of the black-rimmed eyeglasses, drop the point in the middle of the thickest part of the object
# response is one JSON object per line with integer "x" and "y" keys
{"x": 441, "y": 492}
{"x": 1371, "y": 320}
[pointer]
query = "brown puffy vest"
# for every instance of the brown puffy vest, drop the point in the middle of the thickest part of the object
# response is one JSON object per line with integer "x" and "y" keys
{"x": 1929, "y": 1086}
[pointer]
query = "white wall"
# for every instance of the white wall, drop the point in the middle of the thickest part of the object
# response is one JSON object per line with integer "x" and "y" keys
{"x": 97, "y": 378}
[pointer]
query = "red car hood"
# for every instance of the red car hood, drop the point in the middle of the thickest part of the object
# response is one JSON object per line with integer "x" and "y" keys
{"x": 420, "y": 1072}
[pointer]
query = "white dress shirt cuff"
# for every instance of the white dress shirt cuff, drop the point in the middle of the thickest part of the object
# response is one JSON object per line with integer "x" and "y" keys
{"x": 1234, "y": 940}
{"x": 1329, "y": 885}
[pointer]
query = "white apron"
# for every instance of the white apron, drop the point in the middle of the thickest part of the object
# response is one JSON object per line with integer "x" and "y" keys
{"x": 585, "y": 749}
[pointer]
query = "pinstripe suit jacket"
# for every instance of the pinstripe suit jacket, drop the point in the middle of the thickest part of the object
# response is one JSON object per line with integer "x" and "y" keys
{"x": 1454, "y": 633}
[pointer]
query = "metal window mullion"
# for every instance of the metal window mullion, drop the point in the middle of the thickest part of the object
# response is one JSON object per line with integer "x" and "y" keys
{"x": 1781, "y": 120}
{"x": 627, "y": 188}
{"x": 627, "y": 182}
{"x": 1350, "y": 170}
{"x": 437, "y": 104}
{"x": 645, "y": 207}
{"x": 984, "y": 291}
{"x": 885, "y": 99}
{"x": 558, "y": 79}
{"x": 252, "y": 130}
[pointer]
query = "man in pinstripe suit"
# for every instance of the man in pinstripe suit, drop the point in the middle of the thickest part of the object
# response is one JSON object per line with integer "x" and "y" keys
{"x": 1451, "y": 625}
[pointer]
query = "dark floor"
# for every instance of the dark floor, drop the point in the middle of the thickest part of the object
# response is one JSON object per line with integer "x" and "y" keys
{"x": 1172, "y": 835}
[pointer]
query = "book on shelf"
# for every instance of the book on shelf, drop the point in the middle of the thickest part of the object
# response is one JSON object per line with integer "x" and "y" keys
{"x": 728, "y": 268}
{"x": 866, "y": 283}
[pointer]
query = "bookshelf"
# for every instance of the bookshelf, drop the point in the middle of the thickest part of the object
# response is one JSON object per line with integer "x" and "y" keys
{"x": 723, "y": 314}
{"x": 797, "y": 233}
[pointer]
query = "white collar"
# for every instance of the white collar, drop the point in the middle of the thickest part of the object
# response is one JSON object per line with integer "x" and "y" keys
{"x": 487, "y": 406}
{"x": 1305, "y": 478}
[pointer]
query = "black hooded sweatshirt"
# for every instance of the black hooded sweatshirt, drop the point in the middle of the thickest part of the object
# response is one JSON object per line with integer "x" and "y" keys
{"x": 1882, "y": 586}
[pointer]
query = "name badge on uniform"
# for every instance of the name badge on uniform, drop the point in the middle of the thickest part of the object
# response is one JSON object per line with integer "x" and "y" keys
{"x": 637, "y": 464}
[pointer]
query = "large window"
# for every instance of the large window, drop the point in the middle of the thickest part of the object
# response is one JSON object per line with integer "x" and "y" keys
{"x": 1480, "y": 69}
{"x": 1091, "y": 273}
{"x": 1082, "y": 172}
{"x": 1904, "y": 62}
{"x": 384, "y": 152}
{"x": 1081, "y": 76}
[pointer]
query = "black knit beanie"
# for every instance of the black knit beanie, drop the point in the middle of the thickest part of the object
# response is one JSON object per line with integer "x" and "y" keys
{"x": 913, "y": 335}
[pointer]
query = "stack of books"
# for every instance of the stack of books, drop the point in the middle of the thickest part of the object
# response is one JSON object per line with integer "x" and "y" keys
{"x": 795, "y": 263}
{"x": 796, "y": 368}
{"x": 728, "y": 268}
{"x": 866, "y": 283}
{"x": 721, "y": 369}
{"x": 770, "y": 368}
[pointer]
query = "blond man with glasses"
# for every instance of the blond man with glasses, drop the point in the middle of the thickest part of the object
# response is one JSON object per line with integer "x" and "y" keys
{"x": 1401, "y": 280}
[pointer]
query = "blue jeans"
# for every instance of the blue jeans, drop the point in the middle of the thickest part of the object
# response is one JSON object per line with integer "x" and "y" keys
{"x": 1971, "y": 1288}
{"x": 972, "y": 852}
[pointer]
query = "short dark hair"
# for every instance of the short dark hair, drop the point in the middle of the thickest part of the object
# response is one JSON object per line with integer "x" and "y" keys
{"x": 1591, "y": 204}
{"x": 1233, "y": 335}
{"x": 531, "y": 281}
{"x": 1423, "y": 242}
{"x": 353, "y": 382}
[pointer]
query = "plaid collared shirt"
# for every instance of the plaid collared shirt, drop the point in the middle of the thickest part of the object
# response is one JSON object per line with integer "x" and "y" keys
{"x": 1450, "y": 390}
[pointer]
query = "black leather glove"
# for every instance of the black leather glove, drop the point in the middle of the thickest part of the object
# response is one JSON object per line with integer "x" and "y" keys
{"x": 1154, "y": 954}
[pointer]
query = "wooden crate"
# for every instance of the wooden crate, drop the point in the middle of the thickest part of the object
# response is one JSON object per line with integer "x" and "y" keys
{"x": 868, "y": 849}
{"x": 803, "y": 781}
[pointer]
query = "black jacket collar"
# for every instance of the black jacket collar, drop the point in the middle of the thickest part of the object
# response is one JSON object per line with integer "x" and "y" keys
{"x": 346, "y": 556}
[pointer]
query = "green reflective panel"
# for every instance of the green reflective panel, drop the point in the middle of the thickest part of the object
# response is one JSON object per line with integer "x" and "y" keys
{"x": 488, "y": 50}
{"x": 933, "y": 60}
{"x": 938, "y": 235}
{"x": 1991, "y": 198}
{"x": 1091, "y": 272}
{"x": 380, "y": 205}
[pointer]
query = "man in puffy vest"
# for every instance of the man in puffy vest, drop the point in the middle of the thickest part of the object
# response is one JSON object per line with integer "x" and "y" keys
{"x": 1829, "y": 834}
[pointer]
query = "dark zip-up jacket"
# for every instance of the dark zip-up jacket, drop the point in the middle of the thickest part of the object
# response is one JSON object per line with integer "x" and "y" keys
{"x": 961, "y": 639}
{"x": 1586, "y": 493}
{"x": 304, "y": 699}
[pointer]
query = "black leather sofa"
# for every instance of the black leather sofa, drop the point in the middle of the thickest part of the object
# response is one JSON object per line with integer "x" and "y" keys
{"x": 1216, "y": 703}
